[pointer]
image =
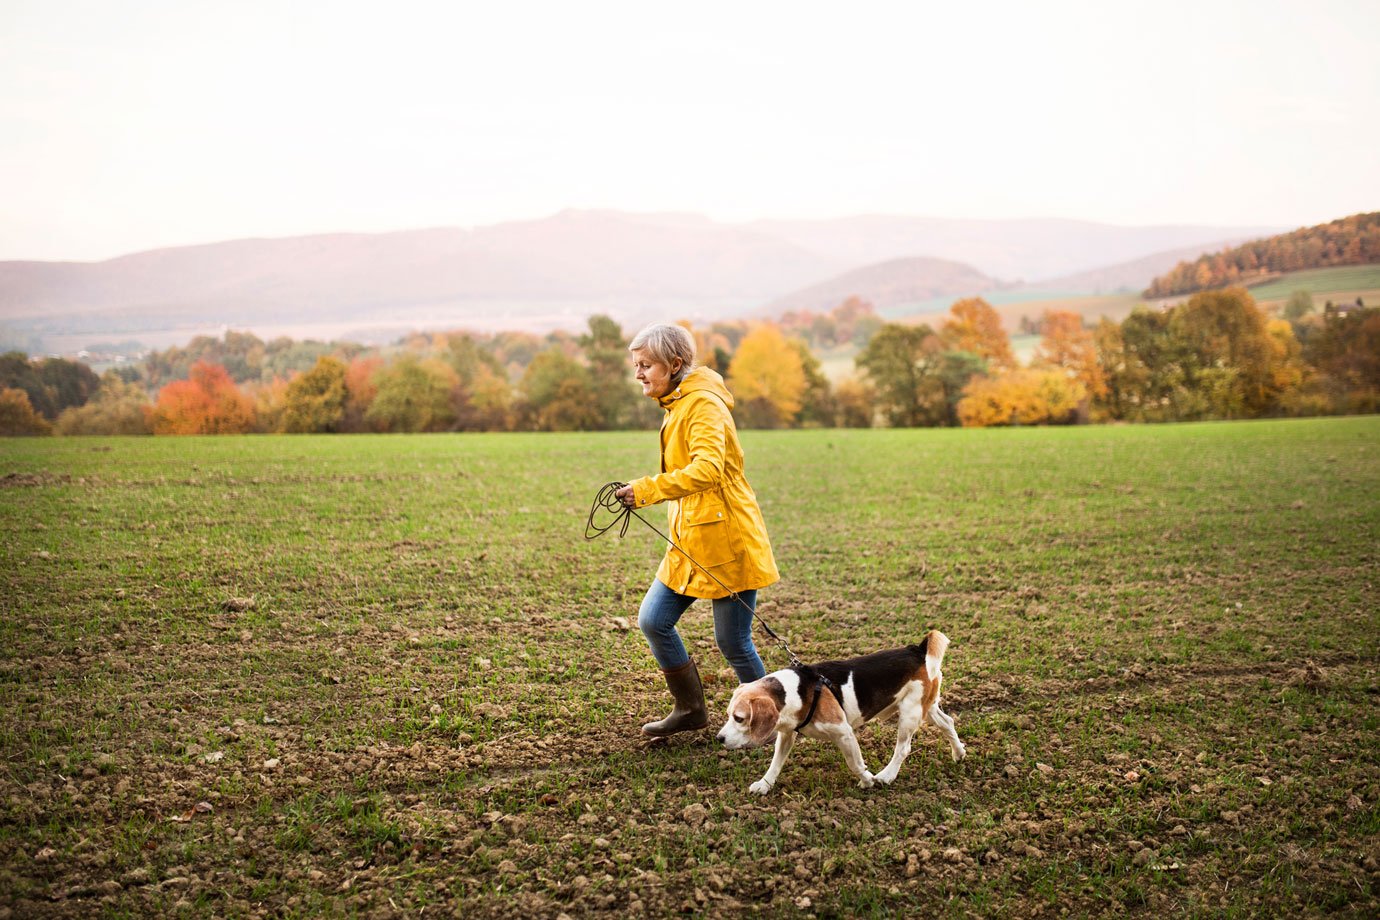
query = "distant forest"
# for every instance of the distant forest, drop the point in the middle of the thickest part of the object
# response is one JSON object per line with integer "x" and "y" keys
{"x": 1351, "y": 240}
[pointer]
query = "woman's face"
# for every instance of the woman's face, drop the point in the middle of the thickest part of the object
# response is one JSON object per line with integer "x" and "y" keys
{"x": 655, "y": 376}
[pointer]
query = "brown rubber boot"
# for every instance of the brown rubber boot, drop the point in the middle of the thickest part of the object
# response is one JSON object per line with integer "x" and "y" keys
{"x": 689, "y": 712}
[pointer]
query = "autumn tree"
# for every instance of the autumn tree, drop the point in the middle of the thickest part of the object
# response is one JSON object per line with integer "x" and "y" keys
{"x": 118, "y": 407}
{"x": 767, "y": 379}
{"x": 360, "y": 391}
{"x": 1346, "y": 353}
{"x": 485, "y": 395}
{"x": 854, "y": 403}
{"x": 973, "y": 326}
{"x": 315, "y": 401}
{"x": 207, "y": 402}
{"x": 558, "y": 394}
{"x": 17, "y": 415}
{"x": 1065, "y": 343}
{"x": 414, "y": 395}
{"x": 1353, "y": 240}
{"x": 270, "y": 402}
{"x": 1235, "y": 362}
{"x": 1025, "y": 396}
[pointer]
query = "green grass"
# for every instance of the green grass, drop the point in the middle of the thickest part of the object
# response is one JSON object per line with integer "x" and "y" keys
{"x": 430, "y": 703}
{"x": 1349, "y": 279}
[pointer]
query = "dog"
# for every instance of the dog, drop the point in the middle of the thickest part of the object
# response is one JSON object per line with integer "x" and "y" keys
{"x": 832, "y": 699}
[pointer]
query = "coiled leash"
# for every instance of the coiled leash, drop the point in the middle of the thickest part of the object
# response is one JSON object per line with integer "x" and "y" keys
{"x": 608, "y": 502}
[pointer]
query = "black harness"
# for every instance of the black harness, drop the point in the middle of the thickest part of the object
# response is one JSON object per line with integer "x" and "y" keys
{"x": 823, "y": 683}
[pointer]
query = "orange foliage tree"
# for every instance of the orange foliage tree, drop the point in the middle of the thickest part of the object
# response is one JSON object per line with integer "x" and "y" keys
{"x": 976, "y": 328}
{"x": 767, "y": 379}
{"x": 207, "y": 402}
{"x": 1065, "y": 343}
{"x": 1021, "y": 397}
{"x": 360, "y": 390}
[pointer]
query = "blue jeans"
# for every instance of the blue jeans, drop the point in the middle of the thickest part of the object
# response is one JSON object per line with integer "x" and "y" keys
{"x": 662, "y": 609}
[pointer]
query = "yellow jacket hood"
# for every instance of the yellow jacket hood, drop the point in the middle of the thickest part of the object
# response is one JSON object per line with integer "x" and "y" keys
{"x": 699, "y": 378}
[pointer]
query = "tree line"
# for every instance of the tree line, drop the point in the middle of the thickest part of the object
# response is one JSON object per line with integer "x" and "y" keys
{"x": 1218, "y": 355}
{"x": 1351, "y": 240}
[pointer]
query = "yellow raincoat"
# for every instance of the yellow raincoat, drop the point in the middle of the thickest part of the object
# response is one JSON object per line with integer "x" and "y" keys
{"x": 713, "y": 513}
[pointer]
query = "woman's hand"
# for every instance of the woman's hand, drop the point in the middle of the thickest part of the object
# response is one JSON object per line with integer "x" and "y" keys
{"x": 625, "y": 495}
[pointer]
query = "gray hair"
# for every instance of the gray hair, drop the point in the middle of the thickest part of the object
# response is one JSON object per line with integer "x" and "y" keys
{"x": 665, "y": 342}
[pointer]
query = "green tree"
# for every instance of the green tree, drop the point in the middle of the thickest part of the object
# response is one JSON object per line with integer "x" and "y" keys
{"x": 817, "y": 408}
{"x": 895, "y": 361}
{"x": 1148, "y": 369}
{"x": 414, "y": 395}
{"x": 916, "y": 378}
{"x": 315, "y": 401}
{"x": 71, "y": 383}
{"x": 1299, "y": 305}
{"x": 606, "y": 351}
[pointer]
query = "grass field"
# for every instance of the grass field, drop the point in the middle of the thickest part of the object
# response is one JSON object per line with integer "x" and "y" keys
{"x": 385, "y": 676}
{"x": 1338, "y": 285}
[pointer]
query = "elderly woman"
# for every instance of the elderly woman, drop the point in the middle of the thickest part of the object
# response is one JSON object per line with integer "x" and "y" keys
{"x": 714, "y": 520}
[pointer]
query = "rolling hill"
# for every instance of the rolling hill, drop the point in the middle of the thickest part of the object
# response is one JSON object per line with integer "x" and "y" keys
{"x": 888, "y": 285}
{"x": 549, "y": 273}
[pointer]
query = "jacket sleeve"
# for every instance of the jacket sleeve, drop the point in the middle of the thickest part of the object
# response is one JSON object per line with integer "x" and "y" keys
{"x": 707, "y": 448}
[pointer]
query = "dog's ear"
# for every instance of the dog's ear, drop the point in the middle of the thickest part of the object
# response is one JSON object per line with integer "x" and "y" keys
{"x": 762, "y": 722}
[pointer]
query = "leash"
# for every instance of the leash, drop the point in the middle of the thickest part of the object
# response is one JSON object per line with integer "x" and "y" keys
{"x": 623, "y": 514}
{"x": 825, "y": 684}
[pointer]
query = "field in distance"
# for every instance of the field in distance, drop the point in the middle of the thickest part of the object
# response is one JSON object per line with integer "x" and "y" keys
{"x": 359, "y": 674}
{"x": 1339, "y": 285}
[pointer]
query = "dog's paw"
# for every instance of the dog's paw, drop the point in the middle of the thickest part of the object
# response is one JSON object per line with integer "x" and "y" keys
{"x": 886, "y": 777}
{"x": 761, "y": 787}
{"x": 958, "y": 753}
{"x": 867, "y": 781}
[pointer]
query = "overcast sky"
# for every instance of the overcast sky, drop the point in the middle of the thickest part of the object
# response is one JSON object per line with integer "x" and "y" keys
{"x": 132, "y": 125}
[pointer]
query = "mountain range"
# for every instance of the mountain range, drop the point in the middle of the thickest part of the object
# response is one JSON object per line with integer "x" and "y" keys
{"x": 553, "y": 272}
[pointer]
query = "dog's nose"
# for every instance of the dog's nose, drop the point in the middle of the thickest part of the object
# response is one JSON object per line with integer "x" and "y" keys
{"x": 720, "y": 736}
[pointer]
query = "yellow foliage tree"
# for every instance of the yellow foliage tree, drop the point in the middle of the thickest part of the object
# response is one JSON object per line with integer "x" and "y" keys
{"x": 976, "y": 328}
{"x": 1030, "y": 396}
{"x": 17, "y": 415}
{"x": 767, "y": 379}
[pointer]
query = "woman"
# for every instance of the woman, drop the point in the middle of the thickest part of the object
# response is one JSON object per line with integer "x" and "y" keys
{"x": 714, "y": 520}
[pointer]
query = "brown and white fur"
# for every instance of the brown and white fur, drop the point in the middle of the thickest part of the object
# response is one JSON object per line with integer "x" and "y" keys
{"x": 901, "y": 682}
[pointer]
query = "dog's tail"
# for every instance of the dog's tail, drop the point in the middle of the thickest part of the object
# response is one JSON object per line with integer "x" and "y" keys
{"x": 935, "y": 645}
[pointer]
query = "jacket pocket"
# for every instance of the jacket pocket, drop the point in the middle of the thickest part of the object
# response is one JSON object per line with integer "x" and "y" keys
{"x": 707, "y": 532}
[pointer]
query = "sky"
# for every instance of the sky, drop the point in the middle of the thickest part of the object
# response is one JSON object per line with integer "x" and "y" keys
{"x": 135, "y": 125}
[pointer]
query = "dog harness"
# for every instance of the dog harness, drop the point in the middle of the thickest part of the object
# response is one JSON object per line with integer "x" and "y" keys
{"x": 824, "y": 683}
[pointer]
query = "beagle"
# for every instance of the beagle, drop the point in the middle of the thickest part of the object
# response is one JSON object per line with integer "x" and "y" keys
{"x": 834, "y": 698}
